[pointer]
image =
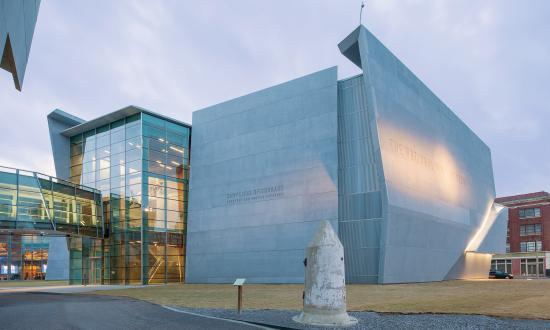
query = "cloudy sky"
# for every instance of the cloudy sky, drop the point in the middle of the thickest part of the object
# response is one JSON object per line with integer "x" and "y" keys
{"x": 488, "y": 60}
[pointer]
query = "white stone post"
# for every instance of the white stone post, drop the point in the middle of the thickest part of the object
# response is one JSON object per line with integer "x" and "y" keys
{"x": 325, "y": 281}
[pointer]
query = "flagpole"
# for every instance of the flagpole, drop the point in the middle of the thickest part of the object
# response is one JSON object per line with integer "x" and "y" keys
{"x": 361, "y": 11}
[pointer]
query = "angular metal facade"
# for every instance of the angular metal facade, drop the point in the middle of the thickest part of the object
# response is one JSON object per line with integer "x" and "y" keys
{"x": 264, "y": 174}
{"x": 17, "y": 22}
{"x": 433, "y": 175}
{"x": 410, "y": 184}
{"x": 58, "y": 121}
{"x": 359, "y": 175}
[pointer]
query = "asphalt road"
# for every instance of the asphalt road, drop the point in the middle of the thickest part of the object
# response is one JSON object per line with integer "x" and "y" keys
{"x": 45, "y": 311}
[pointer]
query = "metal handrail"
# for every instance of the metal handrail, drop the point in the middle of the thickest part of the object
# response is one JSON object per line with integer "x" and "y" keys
{"x": 44, "y": 201}
{"x": 37, "y": 176}
{"x": 49, "y": 177}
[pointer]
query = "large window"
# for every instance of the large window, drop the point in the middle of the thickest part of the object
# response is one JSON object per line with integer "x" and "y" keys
{"x": 529, "y": 213}
{"x": 23, "y": 257}
{"x": 533, "y": 229}
{"x": 531, "y": 246}
{"x": 504, "y": 265}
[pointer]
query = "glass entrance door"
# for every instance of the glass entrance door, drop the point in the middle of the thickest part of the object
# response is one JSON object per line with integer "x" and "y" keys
{"x": 531, "y": 269}
{"x": 95, "y": 271}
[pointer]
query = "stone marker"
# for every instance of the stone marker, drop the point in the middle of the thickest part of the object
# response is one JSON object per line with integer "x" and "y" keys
{"x": 325, "y": 281}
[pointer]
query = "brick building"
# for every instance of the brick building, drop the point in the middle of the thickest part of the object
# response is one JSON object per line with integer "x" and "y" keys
{"x": 528, "y": 238}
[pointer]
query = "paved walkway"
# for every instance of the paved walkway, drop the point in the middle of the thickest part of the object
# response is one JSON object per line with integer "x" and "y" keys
{"x": 45, "y": 311}
{"x": 55, "y": 307}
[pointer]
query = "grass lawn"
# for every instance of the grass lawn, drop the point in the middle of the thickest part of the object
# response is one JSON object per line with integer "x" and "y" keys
{"x": 4, "y": 284}
{"x": 506, "y": 298}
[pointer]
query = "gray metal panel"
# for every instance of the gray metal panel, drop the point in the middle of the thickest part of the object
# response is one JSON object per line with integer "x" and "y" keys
{"x": 30, "y": 10}
{"x": 3, "y": 28}
{"x": 437, "y": 172}
{"x": 58, "y": 259}
{"x": 264, "y": 173}
{"x": 17, "y": 23}
{"x": 58, "y": 121}
{"x": 359, "y": 190}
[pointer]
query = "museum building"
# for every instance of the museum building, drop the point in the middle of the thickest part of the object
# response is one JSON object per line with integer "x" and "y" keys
{"x": 404, "y": 182}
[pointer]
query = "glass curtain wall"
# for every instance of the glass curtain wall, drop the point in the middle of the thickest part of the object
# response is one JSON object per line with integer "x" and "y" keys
{"x": 141, "y": 165}
{"x": 34, "y": 257}
{"x": 165, "y": 189}
{"x": 86, "y": 260}
{"x": 33, "y": 201}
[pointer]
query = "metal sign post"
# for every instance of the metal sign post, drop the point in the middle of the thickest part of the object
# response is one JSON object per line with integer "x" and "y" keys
{"x": 239, "y": 284}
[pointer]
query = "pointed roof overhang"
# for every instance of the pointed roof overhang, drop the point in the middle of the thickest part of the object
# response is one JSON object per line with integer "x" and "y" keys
{"x": 349, "y": 47}
{"x": 114, "y": 116}
{"x": 17, "y": 24}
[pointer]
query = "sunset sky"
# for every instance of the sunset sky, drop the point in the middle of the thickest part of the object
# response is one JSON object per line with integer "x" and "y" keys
{"x": 488, "y": 60}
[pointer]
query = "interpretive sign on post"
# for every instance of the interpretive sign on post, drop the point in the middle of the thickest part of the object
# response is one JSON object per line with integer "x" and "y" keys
{"x": 239, "y": 283}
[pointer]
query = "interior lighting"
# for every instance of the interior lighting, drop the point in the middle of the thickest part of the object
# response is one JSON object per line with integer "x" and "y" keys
{"x": 176, "y": 149}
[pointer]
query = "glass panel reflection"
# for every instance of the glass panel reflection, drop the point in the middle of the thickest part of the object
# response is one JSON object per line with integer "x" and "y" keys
{"x": 140, "y": 164}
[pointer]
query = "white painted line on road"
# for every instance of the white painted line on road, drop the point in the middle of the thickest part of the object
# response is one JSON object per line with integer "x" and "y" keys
{"x": 217, "y": 318}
